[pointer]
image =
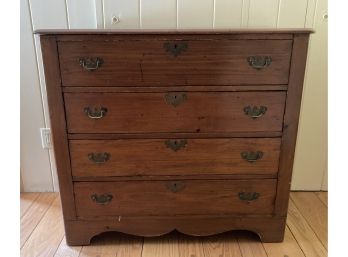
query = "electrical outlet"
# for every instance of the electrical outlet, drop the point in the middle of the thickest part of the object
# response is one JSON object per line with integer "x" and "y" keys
{"x": 45, "y": 138}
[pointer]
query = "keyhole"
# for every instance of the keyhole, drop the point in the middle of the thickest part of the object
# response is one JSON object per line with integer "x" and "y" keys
{"x": 175, "y": 46}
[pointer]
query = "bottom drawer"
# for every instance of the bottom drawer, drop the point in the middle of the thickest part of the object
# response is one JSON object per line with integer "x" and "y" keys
{"x": 138, "y": 198}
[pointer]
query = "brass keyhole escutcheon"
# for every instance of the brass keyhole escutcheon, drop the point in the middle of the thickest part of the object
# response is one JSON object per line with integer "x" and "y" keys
{"x": 175, "y": 144}
{"x": 175, "y": 186}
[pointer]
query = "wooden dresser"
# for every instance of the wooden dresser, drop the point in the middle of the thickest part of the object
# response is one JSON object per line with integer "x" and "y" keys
{"x": 192, "y": 131}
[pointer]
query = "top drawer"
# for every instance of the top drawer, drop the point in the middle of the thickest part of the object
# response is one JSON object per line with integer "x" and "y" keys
{"x": 174, "y": 62}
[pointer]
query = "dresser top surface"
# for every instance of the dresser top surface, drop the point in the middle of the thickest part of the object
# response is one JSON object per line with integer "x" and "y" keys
{"x": 172, "y": 31}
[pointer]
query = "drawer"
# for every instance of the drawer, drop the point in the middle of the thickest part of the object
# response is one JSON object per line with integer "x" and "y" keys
{"x": 178, "y": 62}
{"x": 131, "y": 157}
{"x": 197, "y": 112}
{"x": 143, "y": 198}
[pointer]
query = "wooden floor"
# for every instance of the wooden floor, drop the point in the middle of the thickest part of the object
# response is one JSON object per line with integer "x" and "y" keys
{"x": 42, "y": 234}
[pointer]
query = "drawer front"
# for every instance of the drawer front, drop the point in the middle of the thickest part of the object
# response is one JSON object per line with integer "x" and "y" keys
{"x": 162, "y": 63}
{"x": 131, "y": 157}
{"x": 136, "y": 198}
{"x": 174, "y": 112}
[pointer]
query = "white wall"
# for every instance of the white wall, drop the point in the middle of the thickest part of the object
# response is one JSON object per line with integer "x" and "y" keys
{"x": 37, "y": 165}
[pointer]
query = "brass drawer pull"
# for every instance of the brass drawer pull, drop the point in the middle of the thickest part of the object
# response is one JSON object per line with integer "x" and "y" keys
{"x": 175, "y": 99}
{"x": 251, "y": 156}
{"x": 96, "y": 112}
{"x": 99, "y": 158}
{"x": 255, "y": 112}
{"x": 90, "y": 64}
{"x": 175, "y": 186}
{"x": 102, "y": 199}
{"x": 175, "y": 144}
{"x": 175, "y": 48}
{"x": 259, "y": 62}
{"x": 248, "y": 196}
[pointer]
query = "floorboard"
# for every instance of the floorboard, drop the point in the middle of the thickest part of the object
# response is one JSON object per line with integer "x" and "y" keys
{"x": 34, "y": 214}
{"x": 27, "y": 200}
{"x": 305, "y": 236}
{"x": 47, "y": 235}
{"x": 314, "y": 211}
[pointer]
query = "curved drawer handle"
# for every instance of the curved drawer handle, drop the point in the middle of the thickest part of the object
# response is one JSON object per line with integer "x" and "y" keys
{"x": 96, "y": 112}
{"x": 103, "y": 199}
{"x": 175, "y": 48}
{"x": 259, "y": 62}
{"x": 248, "y": 196}
{"x": 252, "y": 156}
{"x": 99, "y": 158}
{"x": 90, "y": 64}
{"x": 175, "y": 144}
{"x": 175, "y": 99}
{"x": 175, "y": 186}
{"x": 255, "y": 112}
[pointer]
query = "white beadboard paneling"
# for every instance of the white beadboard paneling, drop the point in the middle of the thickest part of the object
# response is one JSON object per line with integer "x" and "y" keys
{"x": 245, "y": 13}
{"x": 310, "y": 163}
{"x": 195, "y": 14}
{"x": 311, "y": 6}
{"x": 263, "y": 13}
{"x": 82, "y": 14}
{"x": 49, "y": 14}
{"x": 99, "y": 13}
{"x": 128, "y": 11}
{"x": 35, "y": 164}
{"x": 158, "y": 14}
{"x": 292, "y": 13}
{"x": 228, "y": 14}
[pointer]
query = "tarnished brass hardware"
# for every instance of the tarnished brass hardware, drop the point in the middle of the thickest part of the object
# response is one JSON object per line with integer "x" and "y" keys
{"x": 175, "y": 48}
{"x": 96, "y": 112}
{"x": 91, "y": 64}
{"x": 175, "y": 144}
{"x": 255, "y": 112}
{"x": 99, "y": 158}
{"x": 259, "y": 62}
{"x": 103, "y": 199}
{"x": 251, "y": 156}
{"x": 175, "y": 186}
{"x": 175, "y": 99}
{"x": 248, "y": 196}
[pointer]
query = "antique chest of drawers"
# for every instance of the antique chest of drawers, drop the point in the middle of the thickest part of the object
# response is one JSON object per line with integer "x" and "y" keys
{"x": 192, "y": 131}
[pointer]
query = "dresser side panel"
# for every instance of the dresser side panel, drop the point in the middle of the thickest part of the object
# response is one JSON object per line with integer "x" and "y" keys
{"x": 58, "y": 124}
{"x": 291, "y": 119}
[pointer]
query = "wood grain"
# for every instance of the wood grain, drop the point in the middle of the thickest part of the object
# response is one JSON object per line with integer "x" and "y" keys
{"x": 323, "y": 197}
{"x": 67, "y": 251}
{"x": 150, "y": 112}
{"x": 113, "y": 244}
{"x": 134, "y": 197}
{"x": 58, "y": 123}
{"x": 250, "y": 245}
{"x": 34, "y": 215}
{"x": 146, "y": 62}
{"x": 220, "y": 245}
{"x": 48, "y": 234}
{"x": 305, "y": 236}
{"x": 289, "y": 247}
{"x": 291, "y": 118}
{"x": 145, "y": 157}
{"x": 26, "y": 201}
{"x": 314, "y": 212}
{"x": 161, "y": 246}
